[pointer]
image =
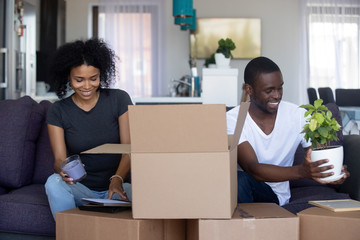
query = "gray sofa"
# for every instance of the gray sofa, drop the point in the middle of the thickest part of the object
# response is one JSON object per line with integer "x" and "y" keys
{"x": 26, "y": 161}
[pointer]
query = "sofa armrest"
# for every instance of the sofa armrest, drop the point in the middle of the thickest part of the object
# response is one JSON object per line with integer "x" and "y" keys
{"x": 352, "y": 160}
{"x": 3, "y": 190}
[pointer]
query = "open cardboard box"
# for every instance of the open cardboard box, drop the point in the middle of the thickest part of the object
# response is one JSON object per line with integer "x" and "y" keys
{"x": 251, "y": 221}
{"x": 324, "y": 224}
{"x": 183, "y": 163}
{"x": 75, "y": 224}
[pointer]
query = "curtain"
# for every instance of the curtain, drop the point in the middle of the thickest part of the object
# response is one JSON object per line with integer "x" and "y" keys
{"x": 329, "y": 45}
{"x": 135, "y": 30}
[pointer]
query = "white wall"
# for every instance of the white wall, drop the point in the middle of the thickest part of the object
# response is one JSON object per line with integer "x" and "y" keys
{"x": 280, "y": 35}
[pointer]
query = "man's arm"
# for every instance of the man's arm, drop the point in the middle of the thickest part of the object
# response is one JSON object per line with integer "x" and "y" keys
{"x": 271, "y": 173}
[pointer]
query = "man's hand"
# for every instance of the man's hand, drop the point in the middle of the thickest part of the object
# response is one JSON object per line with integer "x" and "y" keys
{"x": 341, "y": 180}
{"x": 314, "y": 171}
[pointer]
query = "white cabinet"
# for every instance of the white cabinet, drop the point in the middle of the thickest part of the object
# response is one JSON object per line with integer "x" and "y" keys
{"x": 220, "y": 86}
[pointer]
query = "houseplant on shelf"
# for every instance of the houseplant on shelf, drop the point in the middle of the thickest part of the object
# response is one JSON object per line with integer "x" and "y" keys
{"x": 223, "y": 53}
{"x": 210, "y": 62}
{"x": 322, "y": 128}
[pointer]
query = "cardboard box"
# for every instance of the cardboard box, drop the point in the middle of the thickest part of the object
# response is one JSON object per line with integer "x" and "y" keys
{"x": 251, "y": 221}
{"x": 183, "y": 164}
{"x": 85, "y": 225}
{"x": 323, "y": 224}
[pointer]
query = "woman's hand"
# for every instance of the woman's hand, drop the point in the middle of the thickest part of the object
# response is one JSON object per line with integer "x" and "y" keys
{"x": 66, "y": 178}
{"x": 116, "y": 187}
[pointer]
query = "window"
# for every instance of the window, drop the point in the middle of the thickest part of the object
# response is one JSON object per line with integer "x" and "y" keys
{"x": 329, "y": 45}
{"x": 333, "y": 39}
{"x": 133, "y": 29}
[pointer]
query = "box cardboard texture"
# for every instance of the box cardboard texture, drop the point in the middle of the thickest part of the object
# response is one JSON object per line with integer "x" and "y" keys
{"x": 183, "y": 164}
{"x": 251, "y": 221}
{"x": 323, "y": 224}
{"x": 86, "y": 225}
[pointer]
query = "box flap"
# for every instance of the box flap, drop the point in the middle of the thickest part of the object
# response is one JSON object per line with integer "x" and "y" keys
{"x": 261, "y": 210}
{"x": 244, "y": 107}
{"x": 109, "y": 148}
{"x": 178, "y": 128}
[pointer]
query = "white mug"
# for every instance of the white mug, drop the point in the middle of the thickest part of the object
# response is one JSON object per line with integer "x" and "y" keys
{"x": 42, "y": 88}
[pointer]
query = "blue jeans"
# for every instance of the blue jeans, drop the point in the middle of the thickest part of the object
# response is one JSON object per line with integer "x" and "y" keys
{"x": 63, "y": 196}
{"x": 251, "y": 190}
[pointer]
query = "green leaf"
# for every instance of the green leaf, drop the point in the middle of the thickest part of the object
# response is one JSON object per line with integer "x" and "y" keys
{"x": 313, "y": 125}
{"x": 323, "y": 131}
{"x": 318, "y": 102}
{"x": 306, "y": 106}
{"x": 307, "y": 113}
{"x": 324, "y": 108}
{"x": 319, "y": 117}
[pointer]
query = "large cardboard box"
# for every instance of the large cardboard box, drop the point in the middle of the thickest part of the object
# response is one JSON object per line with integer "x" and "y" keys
{"x": 323, "y": 224}
{"x": 85, "y": 225}
{"x": 251, "y": 221}
{"x": 183, "y": 163}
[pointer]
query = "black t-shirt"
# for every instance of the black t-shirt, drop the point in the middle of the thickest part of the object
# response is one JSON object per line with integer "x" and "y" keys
{"x": 85, "y": 130}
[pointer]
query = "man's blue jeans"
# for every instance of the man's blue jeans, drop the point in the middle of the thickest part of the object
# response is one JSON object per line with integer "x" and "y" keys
{"x": 251, "y": 190}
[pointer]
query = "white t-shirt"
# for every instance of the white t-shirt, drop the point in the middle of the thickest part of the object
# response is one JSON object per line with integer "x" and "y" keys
{"x": 277, "y": 148}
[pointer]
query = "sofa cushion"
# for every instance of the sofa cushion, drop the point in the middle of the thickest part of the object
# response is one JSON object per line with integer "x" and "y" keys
{"x": 44, "y": 158}
{"x": 20, "y": 123}
{"x": 3, "y": 190}
{"x": 351, "y": 159}
{"x": 26, "y": 210}
{"x": 302, "y": 195}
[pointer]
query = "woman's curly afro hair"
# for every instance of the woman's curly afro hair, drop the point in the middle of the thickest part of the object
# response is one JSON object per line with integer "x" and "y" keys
{"x": 93, "y": 52}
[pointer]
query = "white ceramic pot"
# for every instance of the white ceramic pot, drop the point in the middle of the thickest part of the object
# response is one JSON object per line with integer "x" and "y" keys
{"x": 221, "y": 61}
{"x": 335, "y": 154}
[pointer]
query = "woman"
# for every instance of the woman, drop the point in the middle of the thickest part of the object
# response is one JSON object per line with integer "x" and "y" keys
{"x": 91, "y": 116}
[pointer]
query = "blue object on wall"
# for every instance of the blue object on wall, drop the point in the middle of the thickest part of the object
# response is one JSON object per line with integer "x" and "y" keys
{"x": 183, "y": 21}
{"x": 192, "y": 25}
{"x": 182, "y": 8}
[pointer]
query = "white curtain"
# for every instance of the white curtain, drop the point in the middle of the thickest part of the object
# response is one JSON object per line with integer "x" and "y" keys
{"x": 329, "y": 44}
{"x": 135, "y": 30}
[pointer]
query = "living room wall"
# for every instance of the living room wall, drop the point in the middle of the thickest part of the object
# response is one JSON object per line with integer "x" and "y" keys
{"x": 280, "y": 35}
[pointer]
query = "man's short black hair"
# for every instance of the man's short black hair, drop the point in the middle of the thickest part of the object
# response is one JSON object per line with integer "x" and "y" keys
{"x": 258, "y": 66}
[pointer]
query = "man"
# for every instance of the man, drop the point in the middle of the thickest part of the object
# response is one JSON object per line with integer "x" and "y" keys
{"x": 270, "y": 137}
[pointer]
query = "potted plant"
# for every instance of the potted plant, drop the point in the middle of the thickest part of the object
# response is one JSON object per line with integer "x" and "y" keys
{"x": 210, "y": 62}
{"x": 322, "y": 128}
{"x": 223, "y": 53}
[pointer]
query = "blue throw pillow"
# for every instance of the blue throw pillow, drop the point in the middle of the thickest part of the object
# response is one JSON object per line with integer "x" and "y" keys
{"x": 20, "y": 123}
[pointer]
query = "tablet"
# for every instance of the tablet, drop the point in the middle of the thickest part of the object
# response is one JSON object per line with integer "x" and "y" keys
{"x": 107, "y": 202}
